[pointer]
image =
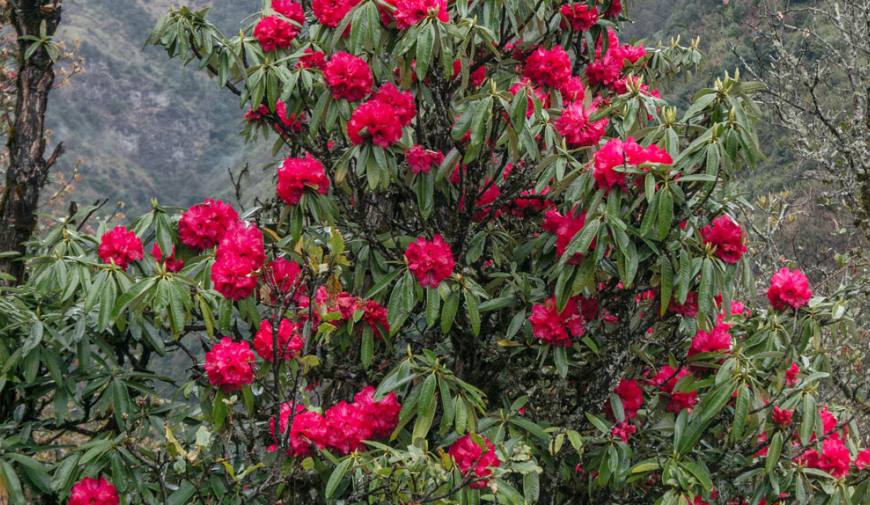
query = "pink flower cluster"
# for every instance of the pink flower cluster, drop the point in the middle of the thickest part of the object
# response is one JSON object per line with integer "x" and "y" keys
{"x": 431, "y": 261}
{"x": 558, "y": 328}
{"x": 618, "y": 153}
{"x": 342, "y": 428}
{"x": 171, "y": 264}
{"x": 90, "y": 491}
{"x": 120, "y": 246}
{"x": 716, "y": 340}
{"x": 239, "y": 256}
{"x": 578, "y": 17}
{"x": 382, "y": 118}
{"x": 296, "y": 174}
{"x": 727, "y": 238}
{"x": 548, "y": 67}
{"x": 607, "y": 69}
{"x": 202, "y": 226}
{"x": 666, "y": 380}
{"x": 789, "y": 288}
{"x": 330, "y": 12}
{"x": 475, "y": 454}
{"x": 576, "y": 126}
{"x": 230, "y": 365}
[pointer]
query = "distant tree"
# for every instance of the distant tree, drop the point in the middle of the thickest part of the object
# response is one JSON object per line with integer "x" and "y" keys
{"x": 814, "y": 57}
{"x": 35, "y": 22}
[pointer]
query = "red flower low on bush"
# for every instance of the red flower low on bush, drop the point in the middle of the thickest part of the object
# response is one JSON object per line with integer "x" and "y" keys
{"x": 90, "y": 491}
{"x": 431, "y": 261}
{"x": 120, "y": 246}
{"x": 229, "y": 365}
{"x": 475, "y": 457}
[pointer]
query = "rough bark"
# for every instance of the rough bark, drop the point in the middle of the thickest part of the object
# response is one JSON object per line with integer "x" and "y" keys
{"x": 28, "y": 168}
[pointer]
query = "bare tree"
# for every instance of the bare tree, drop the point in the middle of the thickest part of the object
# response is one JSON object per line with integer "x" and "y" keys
{"x": 815, "y": 58}
{"x": 35, "y": 22}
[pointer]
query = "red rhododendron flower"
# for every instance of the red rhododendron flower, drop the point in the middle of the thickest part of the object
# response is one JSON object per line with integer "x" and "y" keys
{"x": 727, "y": 237}
{"x": 203, "y": 225}
{"x": 623, "y": 431}
{"x": 382, "y": 416}
{"x": 548, "y": 67}
{"x": 682, "y": 400}
{"x": 377, "y": 121}
{"x": 579, "y": 131}
{"x": 631, "y": 395}
{"x": 239, "y": 255}
{"x": 614, "y": 9}
{"x": 296, "y": 174}
{"x": 667, "y": 378}
{"x": 862, "y": 461}
{"x": 482, "y": 205}
{"x": 290, "y": 120}
{"x": 689, "y": 308}
{"x": 402, "y": 102}
{"x": 531, "y": 202}
{"x": 789, "y": 288}
{"x": 557, "y": 328}
{"x": 229, "y": 365}
{"x": 477, "y": 76}
{"x": 120, "y": 246}
{"x": 606, "y": 69}
{"x": 565, "y": 227}
{"x": 331, "y": 12}
{"x": 717, "y": 340}
{"x": 791, "y": 375}
{"x": 308, "y": 428}
{"x": 171, "y": 264}
{"x": 90, "y": 491}
{"x": 579, "y": 17}
{"x": 421, "y": 160}
{"x": 410, "y": 12}
{"x": 375, "y": 315}
{"x": 290, "y": 341}
{"x": 573, "y": 90}
{"x": 348, "y": 76}
{"x": 781, "y": 417}
{"x": 617, "y": 153}
{"x": 829, "y": 423}
{"x": 471, "y": 457}
{"x": 313, "y": 59}
{"x": 834, "y": 459}
{"x": 283, "y": 273}
{"x": 431, "y": 261}
{"x": 275, "y": 32}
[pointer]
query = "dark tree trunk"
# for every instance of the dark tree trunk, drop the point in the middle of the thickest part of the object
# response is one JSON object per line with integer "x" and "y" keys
{"x": 28, "y": 168}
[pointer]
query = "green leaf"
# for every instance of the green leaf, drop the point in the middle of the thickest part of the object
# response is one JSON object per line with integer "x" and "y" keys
{"x": 705, "y": 292}
{"x": 336, "y": 476}
{"x": 700, "y": 473}
{"x": 448, "y": 313}
{"x": 531, "y": 487}
{"x": 472, "y": 311}
{"x": 34, "y": 472}
{"x": 741, "y": 410}
{"x": 367, "y": 347}
{"x": 667, "y": 285}
{"x": 773, "y": 453}
{"x": 425, "y": 45}
{"x": 560, "y": 359}
{"x": 425, "y": 408}
{"x": 808, "y": 418}
{"x": 581, "y": 242}
{"x": 183, "y": 494}
{"x": 13, "y": 484}
{"x": 131, "y": 295}
{"x": 665, "y": 213}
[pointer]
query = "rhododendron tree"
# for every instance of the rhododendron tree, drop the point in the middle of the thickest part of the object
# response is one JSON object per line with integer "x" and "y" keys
{"x": 489, "y": 263}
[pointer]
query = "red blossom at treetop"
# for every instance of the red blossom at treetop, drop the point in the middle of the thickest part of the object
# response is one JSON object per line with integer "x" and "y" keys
{"x": 578, "y": 17}
{"x": 727, "y": 237}
{"x": 275, "y": 32}
{"x": 556, "y": 328}
{"x": 431, "y": 261}
{"x": 471, "y": 457}
{"x": 576, "y": 126}
{"x": 90, "y": 491}
{"x": 789, "y": 288}
{"x": 330, "y": 12}
{"x": 548, "y": 67}
{"x": 203, "y": 225}
{"x": 121, "y": 247}
{"x": 229, "y": 365}
{"x": 296, "y": 174}
{"x": 348, "y": 77}
{"x": 410, "y": 12}
{"x": 290, "y": 341}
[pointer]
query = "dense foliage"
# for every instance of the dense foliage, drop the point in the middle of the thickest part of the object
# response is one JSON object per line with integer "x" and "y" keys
{"x": 492, "y": 265}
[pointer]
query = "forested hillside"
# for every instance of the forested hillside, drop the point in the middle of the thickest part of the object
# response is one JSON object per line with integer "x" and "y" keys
{"x": 141, "y": 126}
